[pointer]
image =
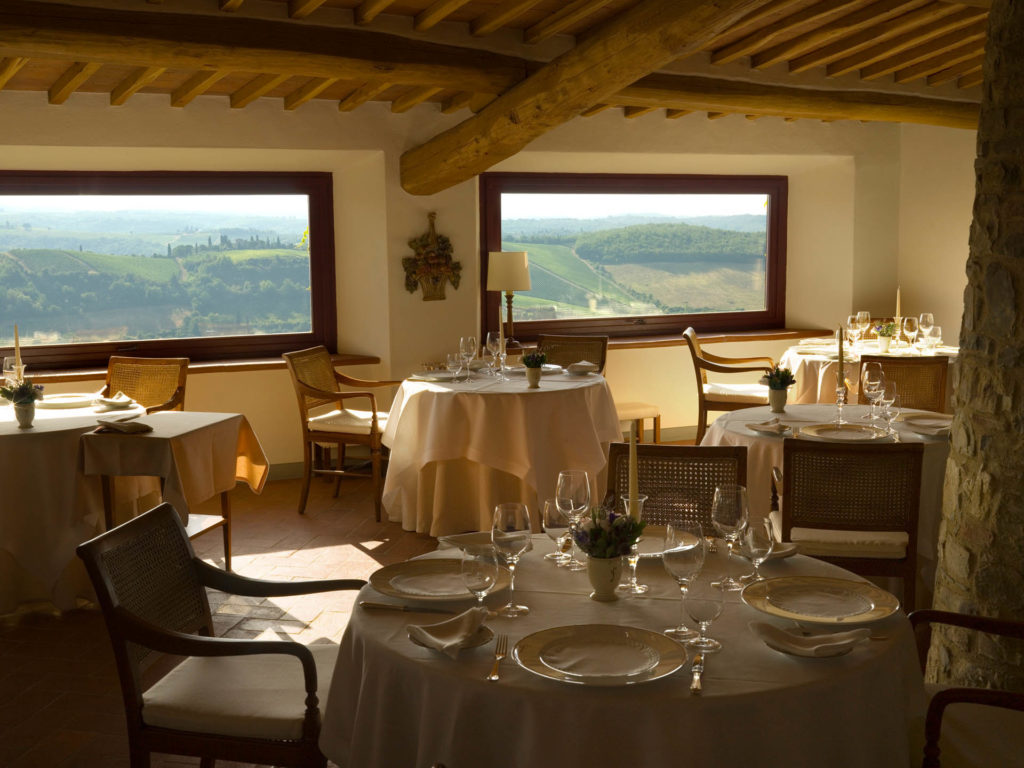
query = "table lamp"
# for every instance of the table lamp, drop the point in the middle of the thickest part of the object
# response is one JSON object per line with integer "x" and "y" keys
{"x": 508, "y": 271}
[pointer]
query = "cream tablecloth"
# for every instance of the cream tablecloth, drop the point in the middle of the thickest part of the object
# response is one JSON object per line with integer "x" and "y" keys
{"x": 393, "y": 703}
{"x": 459, "y": 449}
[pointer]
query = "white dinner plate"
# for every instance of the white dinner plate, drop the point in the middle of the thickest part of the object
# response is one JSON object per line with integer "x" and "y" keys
{"x": 820, "y": 600}
{"x": 780, "y": 551}
{"x": 599, "y": 654}
{"x": 70, "y": 400}
{"x": 931, "y": 424}
{"x": 436, "y": 580}
{"x": 843, "y": 433}
{"x": 547, "y": 369}
{"x": 433, "y": 376}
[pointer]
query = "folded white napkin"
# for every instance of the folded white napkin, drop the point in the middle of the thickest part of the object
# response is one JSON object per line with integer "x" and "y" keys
{"x": 815, "y": 646}
{"x": 583, "y": 366}
{"x": 120, "y": 400}
{"x": 448, "y": 636}
{"x": 125, "y": 424}
{"x": 817, "y": 342}
{"x": 773, "y": 426}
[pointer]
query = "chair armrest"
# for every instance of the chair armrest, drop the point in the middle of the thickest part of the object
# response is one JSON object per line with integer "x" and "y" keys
{"x": 232, "y": 583}
{"x": 351, "y": 381}
{"x": 709, "y": 366}
{"x": 942, "y": 699}
{"x": 922, "y": 620}
{"x": 733, "y": 360}
{"x": 325, "y": 394}
{"x": 178, "y": 398}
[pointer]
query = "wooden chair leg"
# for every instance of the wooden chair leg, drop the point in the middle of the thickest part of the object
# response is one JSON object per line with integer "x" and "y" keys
{"x": 225, "y": 510}
{"x": 702, "y": 426}
{"x": 340, "y": 468}
{"x": 107, "y": 483}
{"x": 639, "y": 429}
{"x": 657, "y": 428}
{"x": 307, "y": 475}
{"x": 377, "y": 483}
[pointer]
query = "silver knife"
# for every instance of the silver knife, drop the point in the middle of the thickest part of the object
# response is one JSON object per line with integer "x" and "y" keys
{"x": 697, "y": 669}
{"x": 403, "y": 608}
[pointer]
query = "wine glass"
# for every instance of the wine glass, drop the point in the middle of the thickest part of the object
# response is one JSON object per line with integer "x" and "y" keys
{"x": 703, "y": 603}
{"x": 468, "y": 349}
{"x": 11, "y": 375}
{"x": 758, "y": 543}
{"x": 872, "y": 383}
{"x": 572, "y": 496}
{"x": 493, "y": 343}
{"x": 863, "y": 323}
{"x": 510, "y": 534}
{"x": 925, "y": 323}
{"x": 852, "y": 330}
{"x": 683, "y": 558}
{"x": 729, "y": 516}
{"x": 479, "y": 571}
{"x": 453, "y": 362}
{"x": 934, "y": 339}
{"x": 910, "y": 328}
{"x": 556, "y": 526}
{"x": 891, "y": 410}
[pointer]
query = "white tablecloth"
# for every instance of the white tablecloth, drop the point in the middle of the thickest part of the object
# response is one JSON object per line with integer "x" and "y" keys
{"x": 393, "y": 703}
{"x": 765, "y": 452}
{"x": 459, "y": 449}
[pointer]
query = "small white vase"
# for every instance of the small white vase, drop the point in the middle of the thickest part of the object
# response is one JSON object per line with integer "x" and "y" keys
{"x": 532, "y": 378}
{"x": 25, "y": 414}
{"x": 604, "y": 574}
{"x": 777, "y": 400}
{"x": 883, "y": 343}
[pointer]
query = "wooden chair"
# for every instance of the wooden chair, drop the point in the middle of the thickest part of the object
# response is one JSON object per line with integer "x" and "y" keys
{"x": 998, "y": 730}
{"x": 854, "y": 505}
{"x": 156, "y": 383}
{"x": 678, "y": 480}
{"x": 318, "y": 384}
{"x": 566, "y": 350}
{"x": 920, "y": 381}
{"x": 714, "y": 396}
{"x": 152, "y": 590}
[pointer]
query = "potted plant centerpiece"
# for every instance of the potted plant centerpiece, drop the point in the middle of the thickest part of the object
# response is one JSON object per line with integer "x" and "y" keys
{"x": 23, "y": 396}
{"x": 779, "y": 380}
{"x": 606, "y": 537}
{"x": 885, "y": 333}
{"x": 533, "y": 362}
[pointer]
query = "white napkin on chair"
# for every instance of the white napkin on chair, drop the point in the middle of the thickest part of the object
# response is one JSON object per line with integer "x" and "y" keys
{"x": 815, "y": 646}
{"x": 449, "y": 635}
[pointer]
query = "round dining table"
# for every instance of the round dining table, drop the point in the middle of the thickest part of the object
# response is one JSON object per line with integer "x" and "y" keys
{"x": 395, "y": 703}
{"x": 459, "y": 448}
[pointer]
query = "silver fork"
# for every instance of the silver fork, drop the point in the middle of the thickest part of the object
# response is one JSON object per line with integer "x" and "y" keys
{"x": 500, "y": 652}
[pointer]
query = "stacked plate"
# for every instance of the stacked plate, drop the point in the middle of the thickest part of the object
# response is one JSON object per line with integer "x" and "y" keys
{"x": 836, "y": 433}
{"x": 431, "y": 580}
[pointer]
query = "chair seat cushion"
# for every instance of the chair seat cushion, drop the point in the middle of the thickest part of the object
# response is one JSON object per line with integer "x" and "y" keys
{"x": 824, "y": 542}
{"x": 736, "y": 393}
{"x": 976, "y": 736}
{"x": 260, "y": 696}
{"x": 633, "y": 411}
{"x": 347, "y": 420}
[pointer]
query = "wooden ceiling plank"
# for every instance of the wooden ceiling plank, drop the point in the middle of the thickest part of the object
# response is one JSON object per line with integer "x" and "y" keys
{"x": 708, "y": 94}
{"x": 258, "y": 86}
{"x": 936, "y": 47}
{"x": 436, "y": 13}
{"x": 869, "y": 37}
{"x": 300, "y": 9}
{"x": 780, "y": 30}
{"x": 849, "y": 24}
{"x": 562, "y": 19}
{"x": 499, "y": 16}
{"x": 231, "y": 5}
{"x": 310, "y": 90}
{"x": 368, "y": 10}
{"x": 456, "y": 102}
{"x": 920, "y": 35}
{"x": 633, "y": 112}
{"x": 716, "y": 115}
{"x": 968, "y": 67}
{"x": 178, "y": 41}
{"x": 947, "y": 58}
{"x": 642, "y": 38}
{"x": 480, "y": 101}
{"x": 134, "y": 83}
{"x": 361, "y": 95}
{"x": 970, "y": 81}
{"x": 597, "y": 108}
{"x": 412, "y": 97}
{"x": 73, "y": 77}
{"x": 196, "y": 85}
{"x": 675, "y": 114}
{"x": 766, "y": 14}
{"x": 9, "y": 68}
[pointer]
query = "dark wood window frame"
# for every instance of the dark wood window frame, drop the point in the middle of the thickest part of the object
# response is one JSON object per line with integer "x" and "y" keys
{"x": 317, "y": 186}
{"x": 492, "y": 185}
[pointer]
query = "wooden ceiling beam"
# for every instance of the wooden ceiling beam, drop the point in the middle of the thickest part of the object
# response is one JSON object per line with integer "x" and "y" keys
{"x": 633, "y": 112}
{"x": 597, "y": 108}
{"x": 842, "y": 27}
{"x": 874, "y": 35}
{"x": 562, "y": 19}
{"x": 499, "y": 16}
{"x": 9, "y": 68}
{"x": 309, "y": 90}
{"x": 456, "y": 102}
{"x": 231, "y": 5}
{"x": 763, "y": 16}
{"x": 258, "y": 86}
{"x": 938, "y": 63}
{"x": 707, "y": 94}
{"x": 361, "y": 95}
{"x": 970, "y": 81}
{"x": 73, "y": 77}
{"x": 436, "y": 13}
{"x": 179, "y": 41}
{"x": 675, "y": 114}
{"x": 936, "y": 47}
{"x": 368, "y": 10}
{"x": 412, "y": 97}
{"x": 642, "y": 38}
{"x": 968, "y": 67}
{"x": 716, "y": 115}
{"x": 134, "y": 83}
{"x": 196, "y": 85}
{"x": 300, "y": 9}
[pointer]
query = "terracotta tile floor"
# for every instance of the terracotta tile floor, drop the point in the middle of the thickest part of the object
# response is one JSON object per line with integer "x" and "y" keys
{"x": 60, "y": 703}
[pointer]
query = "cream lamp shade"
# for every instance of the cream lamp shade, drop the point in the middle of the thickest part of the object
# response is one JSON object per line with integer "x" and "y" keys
{"x": 508, "y": 271}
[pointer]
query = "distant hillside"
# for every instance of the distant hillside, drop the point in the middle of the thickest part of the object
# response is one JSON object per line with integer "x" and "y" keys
{"x": 677, "y": 243}
{"x": 565, "y": 231}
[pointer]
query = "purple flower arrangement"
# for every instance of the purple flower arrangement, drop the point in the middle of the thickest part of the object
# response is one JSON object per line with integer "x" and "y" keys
{"x": 607, "y": 534}
{"x": 22, "y": 393}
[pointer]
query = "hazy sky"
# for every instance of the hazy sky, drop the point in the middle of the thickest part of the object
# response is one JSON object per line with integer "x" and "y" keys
{"x": 272, "y": 205}
{"x": 596, "y": 206}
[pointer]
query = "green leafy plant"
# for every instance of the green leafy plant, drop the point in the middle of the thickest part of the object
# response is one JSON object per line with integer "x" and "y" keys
{"x": 608, "y": 534}
{"x": 779, "y": 378}
{"x": 22, "y": 393}
{"x": 886, "y": 329}
{"x": 534, "y": 359}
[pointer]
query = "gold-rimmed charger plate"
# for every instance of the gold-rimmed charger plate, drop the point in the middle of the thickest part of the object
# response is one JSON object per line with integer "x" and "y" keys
{"x": 932, "y": 424}
{"x": 640, "y": 655}
{"x": 430, "y": 580}
{"x": 68, "y": 400}
{"x": 820, "y": 600}
{"x": 843, "y": 433}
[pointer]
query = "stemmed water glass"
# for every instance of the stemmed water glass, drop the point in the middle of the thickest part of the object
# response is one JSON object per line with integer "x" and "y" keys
{"x": 11, "y": 374}
{"x": 703, "y": 603}
{"x": 493, "y": 344}
{"x": 453, "y": 362}
{"x": 556, "y": 526}
{"x": 467, "y": 350}
{"x": 510, "y": 534}
{"x": 910, "y": 327}
{"x": 683, "y": 558}
{"x": 631, "y": 585}
{"x": 935, "y": 339}
{"x": 729, "y": 516}
{"x": 479, "y": 571}
{"x": 572, "y": 496}
{"x": 872, "y": 384}
{"x": 925, "y": 323}
{"x": 852, "y": 330}
{"x": 891, "y": 411}
{"x": 863, "y": 323}
{"x": 758, "y": 543}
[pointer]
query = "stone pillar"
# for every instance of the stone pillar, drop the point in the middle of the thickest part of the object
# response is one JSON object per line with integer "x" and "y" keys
{"x": 981, "y": 543}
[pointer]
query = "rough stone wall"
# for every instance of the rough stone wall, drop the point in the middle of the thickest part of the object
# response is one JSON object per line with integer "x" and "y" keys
{"x": 981, "y": 544}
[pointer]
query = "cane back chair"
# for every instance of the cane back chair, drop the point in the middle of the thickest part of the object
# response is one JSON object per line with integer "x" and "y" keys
{"x": 919, "y": 381}
{"x": 245, "y": 700}
{"x": 156, "y": 383}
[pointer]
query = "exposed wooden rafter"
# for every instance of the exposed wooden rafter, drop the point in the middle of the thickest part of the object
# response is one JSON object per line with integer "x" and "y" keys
{"x": 134, "y": 83}
{"x": 968, "y": 67}
{"x": 436, "y": 13}
{"x": 591, "y": 111}
{"x": 300, "y": 9}
{"x": 939, "y": 63}
{"x": 68, "y": 82}
{"x": 456, "y": 102}
{"x": 9, "y": 68}
{"x": 675, "y": 114}
{"x": 361, "y": 95}
{"x": 368, "y": 10}
{"x": 633, "y": 112}
{"x": 499, "y": 16}
{"x": 936, "y": 47}
{"x": 231, "y": 5}
{"x": 412, "y": 97}
{"x": 562, "y": 19}
{"x": 196, "y": 85}
{"x": 309, "y": 90}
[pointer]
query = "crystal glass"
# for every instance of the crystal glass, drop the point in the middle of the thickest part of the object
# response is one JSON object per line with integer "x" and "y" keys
{"x": 572, "y": 496}
{"x": 840, "y": 400}
{"x": 934, "y": 339}
{"x": 556, "y": 526}
{"x": 480, "y": 571}
{"x": 11, "y": 374}
{"x": 468, "y": 350}
{"x": 925, "y": 323}
{"x": 910, "y": 328}
{"x": 729, "y": 516}
{"x": 453, "y": 362}
{"x": 758, "y": 543}
{"x": 852, "y": 330}
{"x": 493, "y": 343}
{"x": 872, "y": 383}
{"x": 863, "y": 323}
{"x": 631, "y": 585}
{"x": 510, "y": 534}
{"x": 703, "y": 603}
{"x": 683, "y": 558}
{"x": 891, "y": 412}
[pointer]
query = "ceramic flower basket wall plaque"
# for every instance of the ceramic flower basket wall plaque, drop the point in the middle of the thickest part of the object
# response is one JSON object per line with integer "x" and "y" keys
{"x": 432, "y": 265}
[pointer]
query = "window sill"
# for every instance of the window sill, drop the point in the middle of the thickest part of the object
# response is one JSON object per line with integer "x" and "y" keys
{"x": 676, "y": 340}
